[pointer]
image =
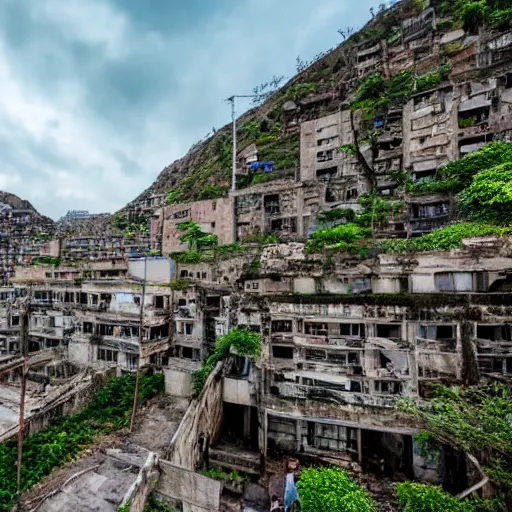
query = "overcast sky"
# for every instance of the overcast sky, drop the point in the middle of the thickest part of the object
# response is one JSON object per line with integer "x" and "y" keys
{"x": 98, "y": 96}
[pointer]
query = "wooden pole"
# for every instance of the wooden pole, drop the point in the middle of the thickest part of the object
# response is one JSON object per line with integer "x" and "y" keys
{"x": 21, "y": 431}
{"x": 24, "y": 369}
{"x": 141, "y": 325}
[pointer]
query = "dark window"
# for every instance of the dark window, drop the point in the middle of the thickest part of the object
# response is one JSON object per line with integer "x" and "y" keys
{"x": 159, "y": 301}
{"x": 282, "y": 352}
{"x": 281, "y": 326}
{"x": 15, "y": 320}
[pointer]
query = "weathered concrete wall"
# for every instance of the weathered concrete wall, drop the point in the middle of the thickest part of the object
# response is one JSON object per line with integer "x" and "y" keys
{"x": 178, "y": 383}
{"x": 203, "y": 418}
{"x": 195, "y": 491}
{"x": 236, "y": 391}
{"x": 158, "y": 270}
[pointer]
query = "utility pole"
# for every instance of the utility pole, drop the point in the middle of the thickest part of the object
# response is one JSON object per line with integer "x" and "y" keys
{"x": 231, "y": 99}
{"x": 141, "y": 330}
{"x": 24, "y": 326}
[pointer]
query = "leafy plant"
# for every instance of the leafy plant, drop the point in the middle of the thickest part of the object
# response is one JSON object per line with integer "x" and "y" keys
{"x": 261, "y": 238}
{"x": 173, "y": 196}
{"x": 155, "y": 505}
{"x": 489, "y": 197}
{"x": 212, "y": 192}
{"x": 46, "y": 260}
{"x": 332, "y": 489}
{"x": 466, "y": 122}
{"x": 180, "y": 285}
{"x": 244, "y": 341}
{"x": 443, "y": 239}
{"x": 336, "y": 215}
{"x": 415, "y": 497}
{"x": 343, "y": 237}
{"x": 187, "y": 256}
{"x": 475, "y": 420}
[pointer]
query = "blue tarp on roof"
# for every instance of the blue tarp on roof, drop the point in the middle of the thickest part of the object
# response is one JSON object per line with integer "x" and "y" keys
{"x": 266, "y": 166}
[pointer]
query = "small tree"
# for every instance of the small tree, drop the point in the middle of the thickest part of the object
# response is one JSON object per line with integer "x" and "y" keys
{"x": 476, "y": 420}
{"x": 489, "y": 197}
{"x": 332, "y": 489}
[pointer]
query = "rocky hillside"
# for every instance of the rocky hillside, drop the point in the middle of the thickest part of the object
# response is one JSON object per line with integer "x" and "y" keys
{"x": 329, "y": 83}
{"x": 17, "y": 203}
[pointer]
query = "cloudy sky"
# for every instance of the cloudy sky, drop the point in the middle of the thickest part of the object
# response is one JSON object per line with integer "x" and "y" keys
{"x": 97, "y": 96}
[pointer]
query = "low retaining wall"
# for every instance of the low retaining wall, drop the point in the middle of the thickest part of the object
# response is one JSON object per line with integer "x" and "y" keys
{"x": 144, "y": 485}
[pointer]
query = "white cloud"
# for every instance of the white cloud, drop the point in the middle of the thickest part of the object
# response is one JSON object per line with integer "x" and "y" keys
{"x": 65, "y": 152}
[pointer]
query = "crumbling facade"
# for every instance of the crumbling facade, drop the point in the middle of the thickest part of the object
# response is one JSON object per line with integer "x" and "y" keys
{"x": 344, "y": 335}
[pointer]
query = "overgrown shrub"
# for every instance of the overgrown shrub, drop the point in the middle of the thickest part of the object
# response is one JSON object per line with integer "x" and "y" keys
{"x": 415, "y": 497}
{"x": 489, "y": 196}
{"x": 474, "y": 420}
{"x": 343, "y": 237}
{"x": 332, "y": 489}
{"x": 245, "y": 342}
{"x": 212, "y": 192}
{"x": 443, "y": 239}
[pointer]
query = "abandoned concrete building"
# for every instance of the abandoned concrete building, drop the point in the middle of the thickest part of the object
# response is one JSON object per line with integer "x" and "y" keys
{"x": 344, "y": 335}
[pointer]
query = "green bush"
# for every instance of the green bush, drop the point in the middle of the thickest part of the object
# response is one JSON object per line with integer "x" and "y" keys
{"x": 245, "y": 342}
{"x": 333, "y": 490}
{"x": 489, "y": 197}
{"x": 187, "y": 257}
{"x": 443, "y": 239}
{"x": 212, "y": 192}
{"x": 343, "y": 237}
{"x": 489, "y": 156}
{"x": 475, "y": 420}
{"x": 434, "y": 186}
{"x": 46, "y": 260}
{"x": 414, "y": 497}
{"x": 338, "y": 214}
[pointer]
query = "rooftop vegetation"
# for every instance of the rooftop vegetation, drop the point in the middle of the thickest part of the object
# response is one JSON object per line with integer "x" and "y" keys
{"x": 245, "y": 342}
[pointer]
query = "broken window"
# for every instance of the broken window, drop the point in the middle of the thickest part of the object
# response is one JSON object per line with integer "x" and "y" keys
{"x": 282, "y": 352}
{"x": 159, "y": 301}
{"x": 351, "y": 194}
{"x": 316, "y": 329}
{"x": 88, "y": 328}
{"x": 131, "y": 361}
{"x": 271, "y": 204}
{"x": 186, "y": 328}
{"x": 187, "y": 353}
{"x": 385, "y": 387}
{"x": 316, "y": 355}
{"x": 389, "y": 331}
{"x": 288, "y": 224}
{"x": 325, "y": 156}
{"x": 356, "y": 330}
{"x": 330, "y": 437}
{"x": 454, "y": 281}
{"x": 15, "y": 320}
{"x": 281, "y": 326}
{"x": 181, "y": 215}
{"x": 107, "y": 355}
{"x": 327, "y": 174}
